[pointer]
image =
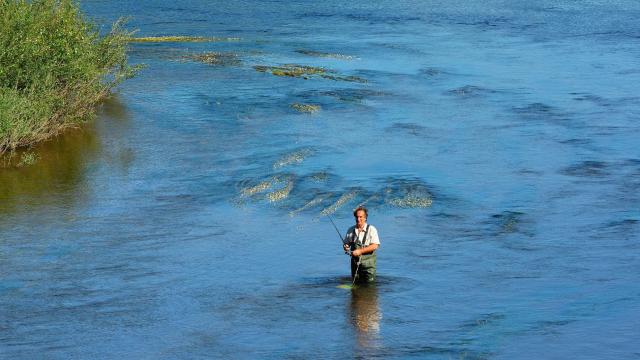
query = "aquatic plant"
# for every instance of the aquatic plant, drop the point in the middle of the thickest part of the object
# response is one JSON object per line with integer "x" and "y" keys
{"x": 214, "y": 58}
{"x": 352, "y": 95}
{"x": 509, "y": 222}
{"x": 470, "y": 91}
{"x": 371, "y": 199}
{"x": 306, "y": 72}
{"x": 306, "y": 108}
{"x": 344, "y": 78}
{"x": 295, "y": 157}
{"x": 55, "y": 67}
{"x": 291, "y": 70}
{"x": 324, "y": 54}
{"x": 155, "y": 39}
{"x": 27, "y": 159}
{"x": 260, "y": 187}
{"x": 313, "y": 202}
{"x": 319, "y": 176}
{"x": 283, "y": 192}
{"x": 407, "y": 193}
{"x": 413, "y": 200}
{"x": 341, "y": 201}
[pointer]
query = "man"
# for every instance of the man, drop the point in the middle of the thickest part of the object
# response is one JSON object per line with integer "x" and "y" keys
{"x": 362, "y": 239}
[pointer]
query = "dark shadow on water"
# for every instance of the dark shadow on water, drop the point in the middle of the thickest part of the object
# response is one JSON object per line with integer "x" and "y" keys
{"x": 59, "y": 168}
{"x": 587, "y": 169}
{"x": 61, "y": 163}
{"x": 470, "y": 91}
{"x": 114, "y": 109}
{"x": 383, "y": 284}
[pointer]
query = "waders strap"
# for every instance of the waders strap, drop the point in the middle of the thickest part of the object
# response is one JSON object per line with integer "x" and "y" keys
{"x": 355, "y": 242}
{"x": 364, "y": 238}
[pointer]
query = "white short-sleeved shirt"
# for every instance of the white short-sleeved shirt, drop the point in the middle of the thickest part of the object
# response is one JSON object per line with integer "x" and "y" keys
{"x": 372, "y": 236}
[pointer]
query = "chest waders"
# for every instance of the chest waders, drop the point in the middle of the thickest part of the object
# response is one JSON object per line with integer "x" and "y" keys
{"x": 363, "y": 268}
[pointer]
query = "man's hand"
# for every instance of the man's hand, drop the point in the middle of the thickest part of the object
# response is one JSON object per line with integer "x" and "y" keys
{"x": 365, "y": 250}
{"x": 346, "y": 248}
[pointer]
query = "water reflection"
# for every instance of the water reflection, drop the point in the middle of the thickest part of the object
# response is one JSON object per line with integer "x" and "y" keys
{"x": 61, "y": 162}
{"x": 365, "y": 316}
{"x": 60, "y": 167}
{"x": 113, "y": 108}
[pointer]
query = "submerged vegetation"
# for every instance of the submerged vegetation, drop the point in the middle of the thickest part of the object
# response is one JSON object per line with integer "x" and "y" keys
{"x": 277, "y": 193}
{"x": 54, "y": 68}
{"x": 283, "y": 192}
{"x": 293, "y": 158}
{"x": 306, "y": 108}
{"x": 28, "y": 159}
{"x": 306, "y": 72}
{"x": 214, "y": 58}
{"x": 324, "y": 55}
{"x": 292, "y": 70}
{"x": 156, "y": 39}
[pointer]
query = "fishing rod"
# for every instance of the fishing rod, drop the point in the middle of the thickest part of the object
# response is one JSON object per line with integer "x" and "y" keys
{"x": 335, "y": 227}
{"x": 346, "y": 252}
{"x": 338, "y": 231}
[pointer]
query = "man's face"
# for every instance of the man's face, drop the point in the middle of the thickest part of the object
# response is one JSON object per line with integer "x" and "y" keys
{"x": 361, "y": 218}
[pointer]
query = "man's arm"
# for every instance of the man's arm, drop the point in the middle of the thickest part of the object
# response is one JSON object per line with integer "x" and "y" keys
{"x": 365, "y": 250}
{"x": 375, "y": 243}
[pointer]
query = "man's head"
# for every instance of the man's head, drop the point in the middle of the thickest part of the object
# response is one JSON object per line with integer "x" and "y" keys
{"x": 360, "y": 213}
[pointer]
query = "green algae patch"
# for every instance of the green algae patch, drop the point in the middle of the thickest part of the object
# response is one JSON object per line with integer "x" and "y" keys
{"x": 341, "y": 201}
{"x": 28, "y": 159}
{"x": 344, "y": 78}
{"x": 293, "y": 158}
{"x": 324, "y": 54}
{"x": 214, "y": 58}
{"x": 306, "y": 72}
{"x": 412, "y": 202}
{"x": 280, "y": 187}
{"x": 258, "y": 188}
{"x": 313, "y": 202}
{"x": 282, "y": 193}
{"x": 292, "y": 70}
{"x": 306, "y": 108}
{"x": 159, "y": 39}
{"x": 413, "y": 198}
{"x": 321, "y": 176}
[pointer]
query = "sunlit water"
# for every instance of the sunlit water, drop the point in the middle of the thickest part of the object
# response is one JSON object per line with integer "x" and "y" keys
{"x": 495, "y": 143}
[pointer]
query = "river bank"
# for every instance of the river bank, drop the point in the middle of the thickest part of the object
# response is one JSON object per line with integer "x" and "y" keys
{"x": 55, "y": 68}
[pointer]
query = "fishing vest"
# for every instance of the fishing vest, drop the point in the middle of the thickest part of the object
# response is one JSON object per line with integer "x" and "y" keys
{"x": 366, "y": 260}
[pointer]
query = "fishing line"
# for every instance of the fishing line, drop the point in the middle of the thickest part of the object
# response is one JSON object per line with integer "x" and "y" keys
{"x": 346, "y": 252}
{"x": 355, "y": 276}
{"x": 335, "y": 227}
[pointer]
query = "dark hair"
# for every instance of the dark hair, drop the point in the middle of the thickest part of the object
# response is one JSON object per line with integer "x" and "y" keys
{"x": 355, "y": 212}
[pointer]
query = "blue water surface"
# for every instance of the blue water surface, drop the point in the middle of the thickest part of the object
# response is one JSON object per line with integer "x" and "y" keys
{"x": 494, "y": 142}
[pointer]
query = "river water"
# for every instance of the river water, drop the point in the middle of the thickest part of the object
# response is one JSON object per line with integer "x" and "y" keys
{"x": 494, "y": 142}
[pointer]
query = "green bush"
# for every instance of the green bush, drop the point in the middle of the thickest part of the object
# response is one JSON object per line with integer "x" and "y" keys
{"x": 54, "y": 68}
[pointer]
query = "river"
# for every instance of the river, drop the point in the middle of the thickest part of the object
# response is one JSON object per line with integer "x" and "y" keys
{"x": 495, "y": 144}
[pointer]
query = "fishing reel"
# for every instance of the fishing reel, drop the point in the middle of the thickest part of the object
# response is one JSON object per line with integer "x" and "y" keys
{"x": 348, "y": 250}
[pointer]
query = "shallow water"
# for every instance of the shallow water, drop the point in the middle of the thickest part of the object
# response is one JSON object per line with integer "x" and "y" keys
{"x": 495, "y": 144}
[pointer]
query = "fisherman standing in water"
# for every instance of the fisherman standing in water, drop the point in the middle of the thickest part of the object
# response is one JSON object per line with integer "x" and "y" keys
{"x": 362, "y": 239}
